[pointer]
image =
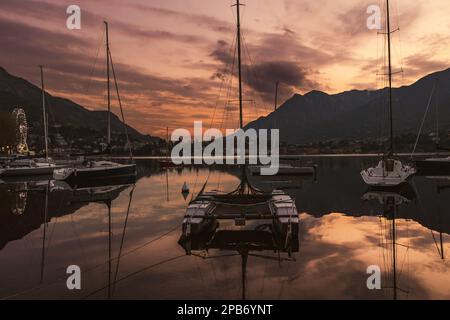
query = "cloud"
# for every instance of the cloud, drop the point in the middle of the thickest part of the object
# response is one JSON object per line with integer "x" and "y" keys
{"x": 70, "y": 72}
{"x": 167, "y": 54}
{"x": 288, "y": 67}
{"x": 56, "y": 14}
{"x": 417, "y": 65}
{"x": 285, "y": 72}
{"x": 209, "y": 22}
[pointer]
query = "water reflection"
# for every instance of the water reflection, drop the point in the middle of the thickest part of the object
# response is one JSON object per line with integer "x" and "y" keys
{"x": 243, "y": 243}
{"x": 126, "y": 239}
{"x": 390, "y": 203}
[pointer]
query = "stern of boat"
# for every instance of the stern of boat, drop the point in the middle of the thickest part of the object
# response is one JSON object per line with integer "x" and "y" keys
{"x": 62, "y": 174}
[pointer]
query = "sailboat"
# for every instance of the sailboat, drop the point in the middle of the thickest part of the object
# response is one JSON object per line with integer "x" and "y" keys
{"x": 94, "y": 170}
{"x": 390, "y": 171}
{"x": 31, "y": 167}
{"x": 167, "y": 161}
{"x": 245, "y": 202}
{"x": 438, "y": 165}
{"x": 285, "y": 169}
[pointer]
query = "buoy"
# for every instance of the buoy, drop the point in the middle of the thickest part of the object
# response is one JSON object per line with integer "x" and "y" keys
{"x": 185, "y": 188}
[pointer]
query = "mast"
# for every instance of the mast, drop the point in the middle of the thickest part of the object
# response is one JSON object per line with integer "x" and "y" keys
{"x": 241, "y": 122}
{"x": 437, "y": 118}
{"x": 44, "y": 235}
{"x": 276, "y": 95}
{"x": 241, "y": 188}
{"x": 244, "y": 259}
{"x": 44, "y": 113}
{"x": 168, "y": 142}
{"x": 108, "y": 203}
{"x": 441, "y": 240}
{"x": 391, "y": 148}
{"x": 394, "y": 252}
{"x": 108, "y": 85}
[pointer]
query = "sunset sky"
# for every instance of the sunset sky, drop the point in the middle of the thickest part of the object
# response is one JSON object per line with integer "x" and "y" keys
{"x": 170, "y": 56}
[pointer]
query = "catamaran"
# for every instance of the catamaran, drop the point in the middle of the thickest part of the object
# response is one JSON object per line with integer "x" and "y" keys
{"x": 390, "y": 171}
{"x": 245, "y": 202}
{"x": 94, "y": 170}
{"x": 26, "y": 166}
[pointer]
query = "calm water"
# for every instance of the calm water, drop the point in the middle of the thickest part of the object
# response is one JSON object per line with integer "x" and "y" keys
{"x": 343, "y": 230}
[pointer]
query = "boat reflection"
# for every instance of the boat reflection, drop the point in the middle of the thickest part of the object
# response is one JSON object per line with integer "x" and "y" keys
{"x": 389, "y": 198}
{"x": 257, "y": 242}
{"x": 443, "y": 184}
{"x": 25, "y": 207}
{"x": 390, "y": 202}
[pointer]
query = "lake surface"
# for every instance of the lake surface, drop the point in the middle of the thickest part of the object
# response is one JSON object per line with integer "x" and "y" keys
{"x": 132, "y": 252}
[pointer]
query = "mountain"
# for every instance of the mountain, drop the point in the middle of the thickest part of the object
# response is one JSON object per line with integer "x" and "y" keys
{"x": 317, "y": 116}
{"x": 15, "y": 91}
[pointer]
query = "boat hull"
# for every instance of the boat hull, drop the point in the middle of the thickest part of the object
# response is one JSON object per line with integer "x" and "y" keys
{"x": 90, "y": 176}
{"x": 167, "y": 164}
{"x": 287, "y": 171}
{"x": 24, "y": 171}
{"x": 433, "y": 167}
{"x": 387, "y": 174}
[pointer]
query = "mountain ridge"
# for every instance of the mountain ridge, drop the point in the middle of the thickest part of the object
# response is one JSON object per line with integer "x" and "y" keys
{"x": 356, "y": 114}
{"x": 19, "y": 92}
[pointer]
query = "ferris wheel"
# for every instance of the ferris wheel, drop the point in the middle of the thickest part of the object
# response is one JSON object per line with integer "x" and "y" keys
{"x": 21, "y": 130}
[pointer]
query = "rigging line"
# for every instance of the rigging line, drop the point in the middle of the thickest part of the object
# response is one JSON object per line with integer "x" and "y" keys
{"x": 283, "y": 283}
{"x": 383, "y": 244}
{"x": 423, "y": 119}
{"x": 228, "y": 110}
{"x": 435, "y": 242}
{"x": 252, "y": 79}
{"x": 263, "y": 279}
{"x": 49, "y": 242}
{"x": 380, "y": 242}
{"x": 149, "y": 242}
{"x": 120, "y": 105}
{"x": 200, "y": 273}
{"x": 408, "y": 270}
{"x": 90, "y": 269}
{"x": 211, "y": 263}
{"x": 228, "y": 93}
{"x": 135, "y": 273}
{"x": 223, "y": 80}
{"x": 400, "y": 274}
{"x": 437, "y": 117}
{"x": 208, "y": 257}
{"x": 83, "y": 249}
{"x": 195, "y": 185}
{"x": 230, "y": 84}
{"x": 267, "y": 109}
{"x": 91, "y": 73}
{"x": 123, "y": 238}
{"x": 252, "y": 74}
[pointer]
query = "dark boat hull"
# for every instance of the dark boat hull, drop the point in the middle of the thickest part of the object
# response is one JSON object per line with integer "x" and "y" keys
{"x": 27, "y": 172}
{"x": 433, "y": 167}
{"x": 167, "y": 164}
{"x": 102, "y": 177}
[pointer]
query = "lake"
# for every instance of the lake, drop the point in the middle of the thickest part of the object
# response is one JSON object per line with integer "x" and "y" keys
{"x": 125, "y": 239}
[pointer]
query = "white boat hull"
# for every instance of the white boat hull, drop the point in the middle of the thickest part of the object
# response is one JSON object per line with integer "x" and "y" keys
{"x": 388, "y": 173}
